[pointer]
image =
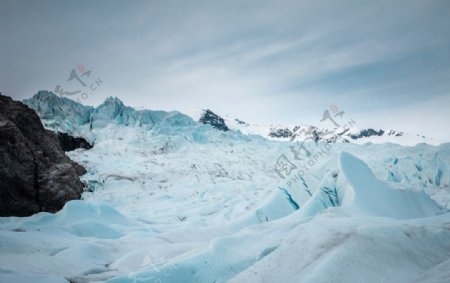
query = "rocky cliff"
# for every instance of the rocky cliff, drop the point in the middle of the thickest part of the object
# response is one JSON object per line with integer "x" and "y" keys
{"x": 35, "y": 173}
{"x": 211, "y": 118}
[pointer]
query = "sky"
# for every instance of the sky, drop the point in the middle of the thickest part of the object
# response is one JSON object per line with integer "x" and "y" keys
{"x": 385, "y": 63}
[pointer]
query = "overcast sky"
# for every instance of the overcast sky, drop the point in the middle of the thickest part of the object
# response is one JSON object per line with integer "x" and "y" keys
{"x": 385, "y": 63}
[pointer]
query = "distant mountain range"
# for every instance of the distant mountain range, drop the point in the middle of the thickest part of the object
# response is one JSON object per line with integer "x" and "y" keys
{"x": 65, "y": 115}
{"x": 302, "y": 132}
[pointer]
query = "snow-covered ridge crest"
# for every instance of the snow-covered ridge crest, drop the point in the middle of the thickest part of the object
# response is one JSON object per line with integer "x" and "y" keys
{"x": 65, "y": 115}
{"x": 236, "y": 256}
{"x": 351, "y": 133}
{"x": 370, "y": 196}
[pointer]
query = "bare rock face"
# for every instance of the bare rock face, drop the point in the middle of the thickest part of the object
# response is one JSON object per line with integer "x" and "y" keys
{"x": 35, "y": 173}
{"x": 211, "y": 118}
{"x": 69, "y": 143}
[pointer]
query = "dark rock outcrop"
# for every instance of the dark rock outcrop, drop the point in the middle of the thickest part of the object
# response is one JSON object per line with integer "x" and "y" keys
{"x": 281, "y": 133}
{"x": 366, "y": 133}
{"x": 35, "y": 174}
{"x": 240, "y": 121}
{"x": 397, "y": 134}
{"x": 69, "y": 143}
{"x": 217, "y": 122}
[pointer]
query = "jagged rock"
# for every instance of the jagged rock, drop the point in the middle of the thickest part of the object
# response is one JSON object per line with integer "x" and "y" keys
{"x": 311, "y": 133}
{"x": 69, "y": 143}
{"x": 35, "y": 173}
{"x": 366, "y": 133}
{"x": 280, "y": 133}
{"x": 396, "y": 133}
{"x": 240, "y": 121}
{"x": 217, "y": 122}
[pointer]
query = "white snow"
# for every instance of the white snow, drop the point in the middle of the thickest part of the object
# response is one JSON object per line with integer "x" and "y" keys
{"x": 303, "y": 131}
{"x": 171, "y": 200}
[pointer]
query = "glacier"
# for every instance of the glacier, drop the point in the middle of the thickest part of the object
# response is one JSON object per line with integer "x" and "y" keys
{"x": 169, "y": 199}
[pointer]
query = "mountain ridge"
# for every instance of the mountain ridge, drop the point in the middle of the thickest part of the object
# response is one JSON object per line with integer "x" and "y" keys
{"x": 65, "y": 115}
{"x": 311, "y": 133}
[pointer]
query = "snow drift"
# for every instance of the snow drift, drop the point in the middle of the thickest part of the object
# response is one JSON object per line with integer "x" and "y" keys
{"x": 172, "y": 200}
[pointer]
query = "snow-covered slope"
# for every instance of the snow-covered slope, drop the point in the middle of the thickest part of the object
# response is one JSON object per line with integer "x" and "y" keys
{"x": 219, "y": 233}
{"x": 347, "y": 132}
{"x": 172, "y": 200}
{"x": 65, "y": 115}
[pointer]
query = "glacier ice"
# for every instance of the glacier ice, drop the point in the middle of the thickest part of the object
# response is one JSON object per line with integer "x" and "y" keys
{"x": 177, "y": 201}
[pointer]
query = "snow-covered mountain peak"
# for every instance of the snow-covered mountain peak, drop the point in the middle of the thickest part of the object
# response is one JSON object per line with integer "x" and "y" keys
{"x": 59, "y": 113}
{"x": 65, "y": 115}
{"x": 114, "y": 104}
{"x": 113, "y": 100}
{"x": 303, "y": 132}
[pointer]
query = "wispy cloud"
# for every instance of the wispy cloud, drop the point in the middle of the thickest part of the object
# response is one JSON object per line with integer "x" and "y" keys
{"x": 279, "y": 61}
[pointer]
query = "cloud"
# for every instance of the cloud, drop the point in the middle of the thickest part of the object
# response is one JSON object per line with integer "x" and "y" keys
{"x": 264, "y": 61}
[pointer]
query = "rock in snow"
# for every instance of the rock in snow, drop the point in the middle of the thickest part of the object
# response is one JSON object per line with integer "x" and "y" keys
{"x": 217, "y": 122}
{"x": 35, "y": 174}
{"x": 69, "y": 143}
{"x": 173, "y": 200}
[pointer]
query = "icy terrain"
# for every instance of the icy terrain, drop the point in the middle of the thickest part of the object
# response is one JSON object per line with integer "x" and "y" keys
{"x": 171, "y": 200}
{"x": 347, "y": 130}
